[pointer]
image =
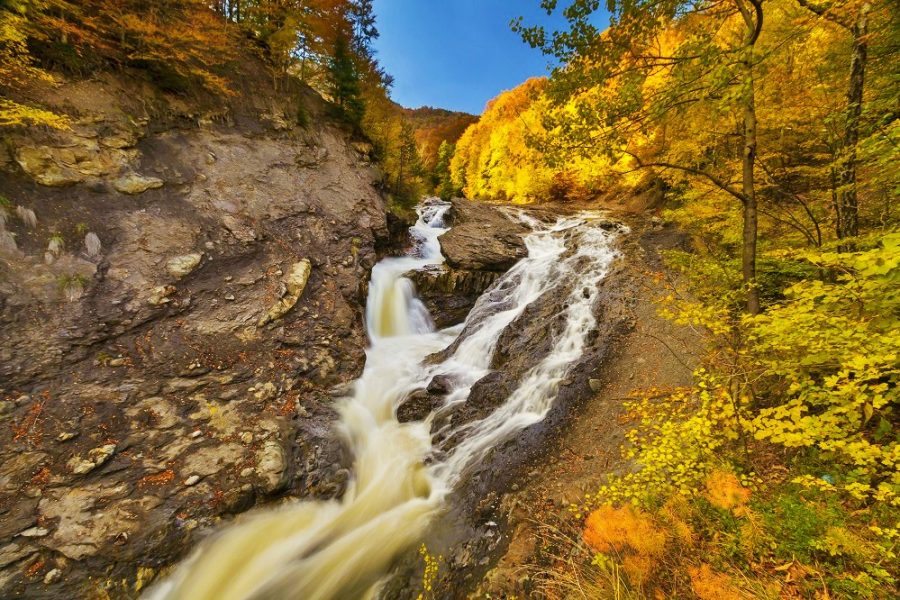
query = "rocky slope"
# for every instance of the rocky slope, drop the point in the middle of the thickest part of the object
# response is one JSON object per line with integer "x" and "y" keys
{"x": 180, "y": 294}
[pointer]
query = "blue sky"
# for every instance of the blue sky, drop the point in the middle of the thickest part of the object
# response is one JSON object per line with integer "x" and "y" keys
{"x": 457, "y": 54}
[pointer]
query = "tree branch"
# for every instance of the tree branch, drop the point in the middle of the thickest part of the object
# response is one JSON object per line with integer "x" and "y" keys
{"x": 722, "y": 185}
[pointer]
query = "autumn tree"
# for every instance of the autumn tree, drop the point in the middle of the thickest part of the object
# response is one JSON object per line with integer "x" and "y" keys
{"x": 646, "y": 71}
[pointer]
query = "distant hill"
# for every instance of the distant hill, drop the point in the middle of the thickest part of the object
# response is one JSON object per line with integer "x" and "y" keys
{"x": 434, "y": 125}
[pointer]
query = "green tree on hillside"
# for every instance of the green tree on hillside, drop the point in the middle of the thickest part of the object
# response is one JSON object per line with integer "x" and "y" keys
{"x": 344, "y": 82}
{"x": 442, "y": 180}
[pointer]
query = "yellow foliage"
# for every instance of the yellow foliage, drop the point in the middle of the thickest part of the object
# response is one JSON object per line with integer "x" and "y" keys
{"x": 429, "y": 574}
{"x": 14, "y": 113}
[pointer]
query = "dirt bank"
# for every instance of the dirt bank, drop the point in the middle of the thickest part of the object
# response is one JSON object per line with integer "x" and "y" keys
{"x": 588, "y": 442}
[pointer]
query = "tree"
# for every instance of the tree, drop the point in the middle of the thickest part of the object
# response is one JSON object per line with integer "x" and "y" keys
{"x": 344, "y": 80}
{"x": 846, "y": 205}
{"x": 656, "y": 59}
{"x": 409, "y": 165}
{"x": 362, "y": 18}
{"x": 443, "y": 182}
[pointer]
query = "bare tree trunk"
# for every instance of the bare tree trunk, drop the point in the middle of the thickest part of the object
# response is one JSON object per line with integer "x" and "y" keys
{"x": 748, "y": 254}
{"x": 848, "y": 204}
{"x": 753, "y": 21}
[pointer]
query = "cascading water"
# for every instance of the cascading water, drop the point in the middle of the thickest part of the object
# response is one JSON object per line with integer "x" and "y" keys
{"x": 344, "y": 548}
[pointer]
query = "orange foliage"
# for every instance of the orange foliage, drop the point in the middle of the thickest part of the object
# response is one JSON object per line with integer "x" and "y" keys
{"x": 158, "y": 478}
{"x": 724, "y": 490}
{"x": 709, "y": 585}
{"x": 610, "y": 529}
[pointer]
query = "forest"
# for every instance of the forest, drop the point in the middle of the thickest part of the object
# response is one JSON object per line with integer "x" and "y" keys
{"x": 773, "y": 129}
{"x": 765, "y": 132}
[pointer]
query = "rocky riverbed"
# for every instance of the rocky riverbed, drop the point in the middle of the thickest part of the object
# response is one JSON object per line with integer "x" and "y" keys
{"x": 180, "y": 307}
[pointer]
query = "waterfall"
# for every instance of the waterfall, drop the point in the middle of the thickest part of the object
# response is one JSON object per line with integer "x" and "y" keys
{"x": 343, "y": 549}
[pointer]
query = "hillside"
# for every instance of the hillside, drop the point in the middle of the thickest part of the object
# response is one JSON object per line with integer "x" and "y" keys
{"x": 432, "y": 126}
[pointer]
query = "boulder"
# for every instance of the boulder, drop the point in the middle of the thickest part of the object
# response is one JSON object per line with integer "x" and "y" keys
{"x": 483, "y": 238}
{"x": 272, "y": 467}
{"x": 42, "y": 166}
{"x": 295, "y": 283}
{"x": 181, "y": 266}
{"x": 133, "y": 184}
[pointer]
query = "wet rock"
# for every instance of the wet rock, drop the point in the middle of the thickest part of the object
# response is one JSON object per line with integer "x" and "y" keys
{"x": 238, "y": 500}
{"x": 595, "y": 384}
{"x": 483, "y": 238}
{"x": 417, "y": 406}
{"x": 18, "y": 518}
{"x": 449, "y": 294}
{"x": 181, "y": 266}
{"x": 19, "y": 468}
{"x": 192, "y": 480}
{"x": 183, "y": 385}
{"x": 272, "y": 467}
{"x": 134, "y": 184}
{"x": 88, "y": 518}
{"x": 12, "y": 553}
{"x": 439, "y": 385}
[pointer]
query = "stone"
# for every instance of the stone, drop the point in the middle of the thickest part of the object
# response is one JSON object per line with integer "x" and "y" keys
{"x": 483, "y": 238}
{"x": 181, "y": 266}
{"x": 192, "y": 480}
{"x": 272, "y": 467}
{"x": 51, "y": 576}
{"x": 117, "y": 362}
{"x": 96, "y": 457}
{"x": 596, "y": 385}
{"x": 208, "y": 461}
{"x": 439, "y": 385}
{"x": 88, "y": 518}
{"x": 265, "y": 392}
{"x": 41, "y": 164}
{"x": 183, "y": 385}
{"x": 65, "y": 436}
{"x": 247, "y": 437}
{"x": 33, "y": 532}
{"x": 160, "y": 295}
{"x": 134, "y": 184}
{"x": 295, "y": 281}
{"x": 15, "y": 552}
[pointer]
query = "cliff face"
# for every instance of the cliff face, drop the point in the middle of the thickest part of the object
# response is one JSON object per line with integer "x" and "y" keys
{"x": 179, "y": 297}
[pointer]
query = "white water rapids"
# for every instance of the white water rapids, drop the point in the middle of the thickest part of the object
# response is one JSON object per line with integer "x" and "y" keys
{"x": 344, "y": 549}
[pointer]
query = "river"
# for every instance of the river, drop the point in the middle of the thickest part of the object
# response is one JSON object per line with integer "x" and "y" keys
{"x": 345, "y": 548}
